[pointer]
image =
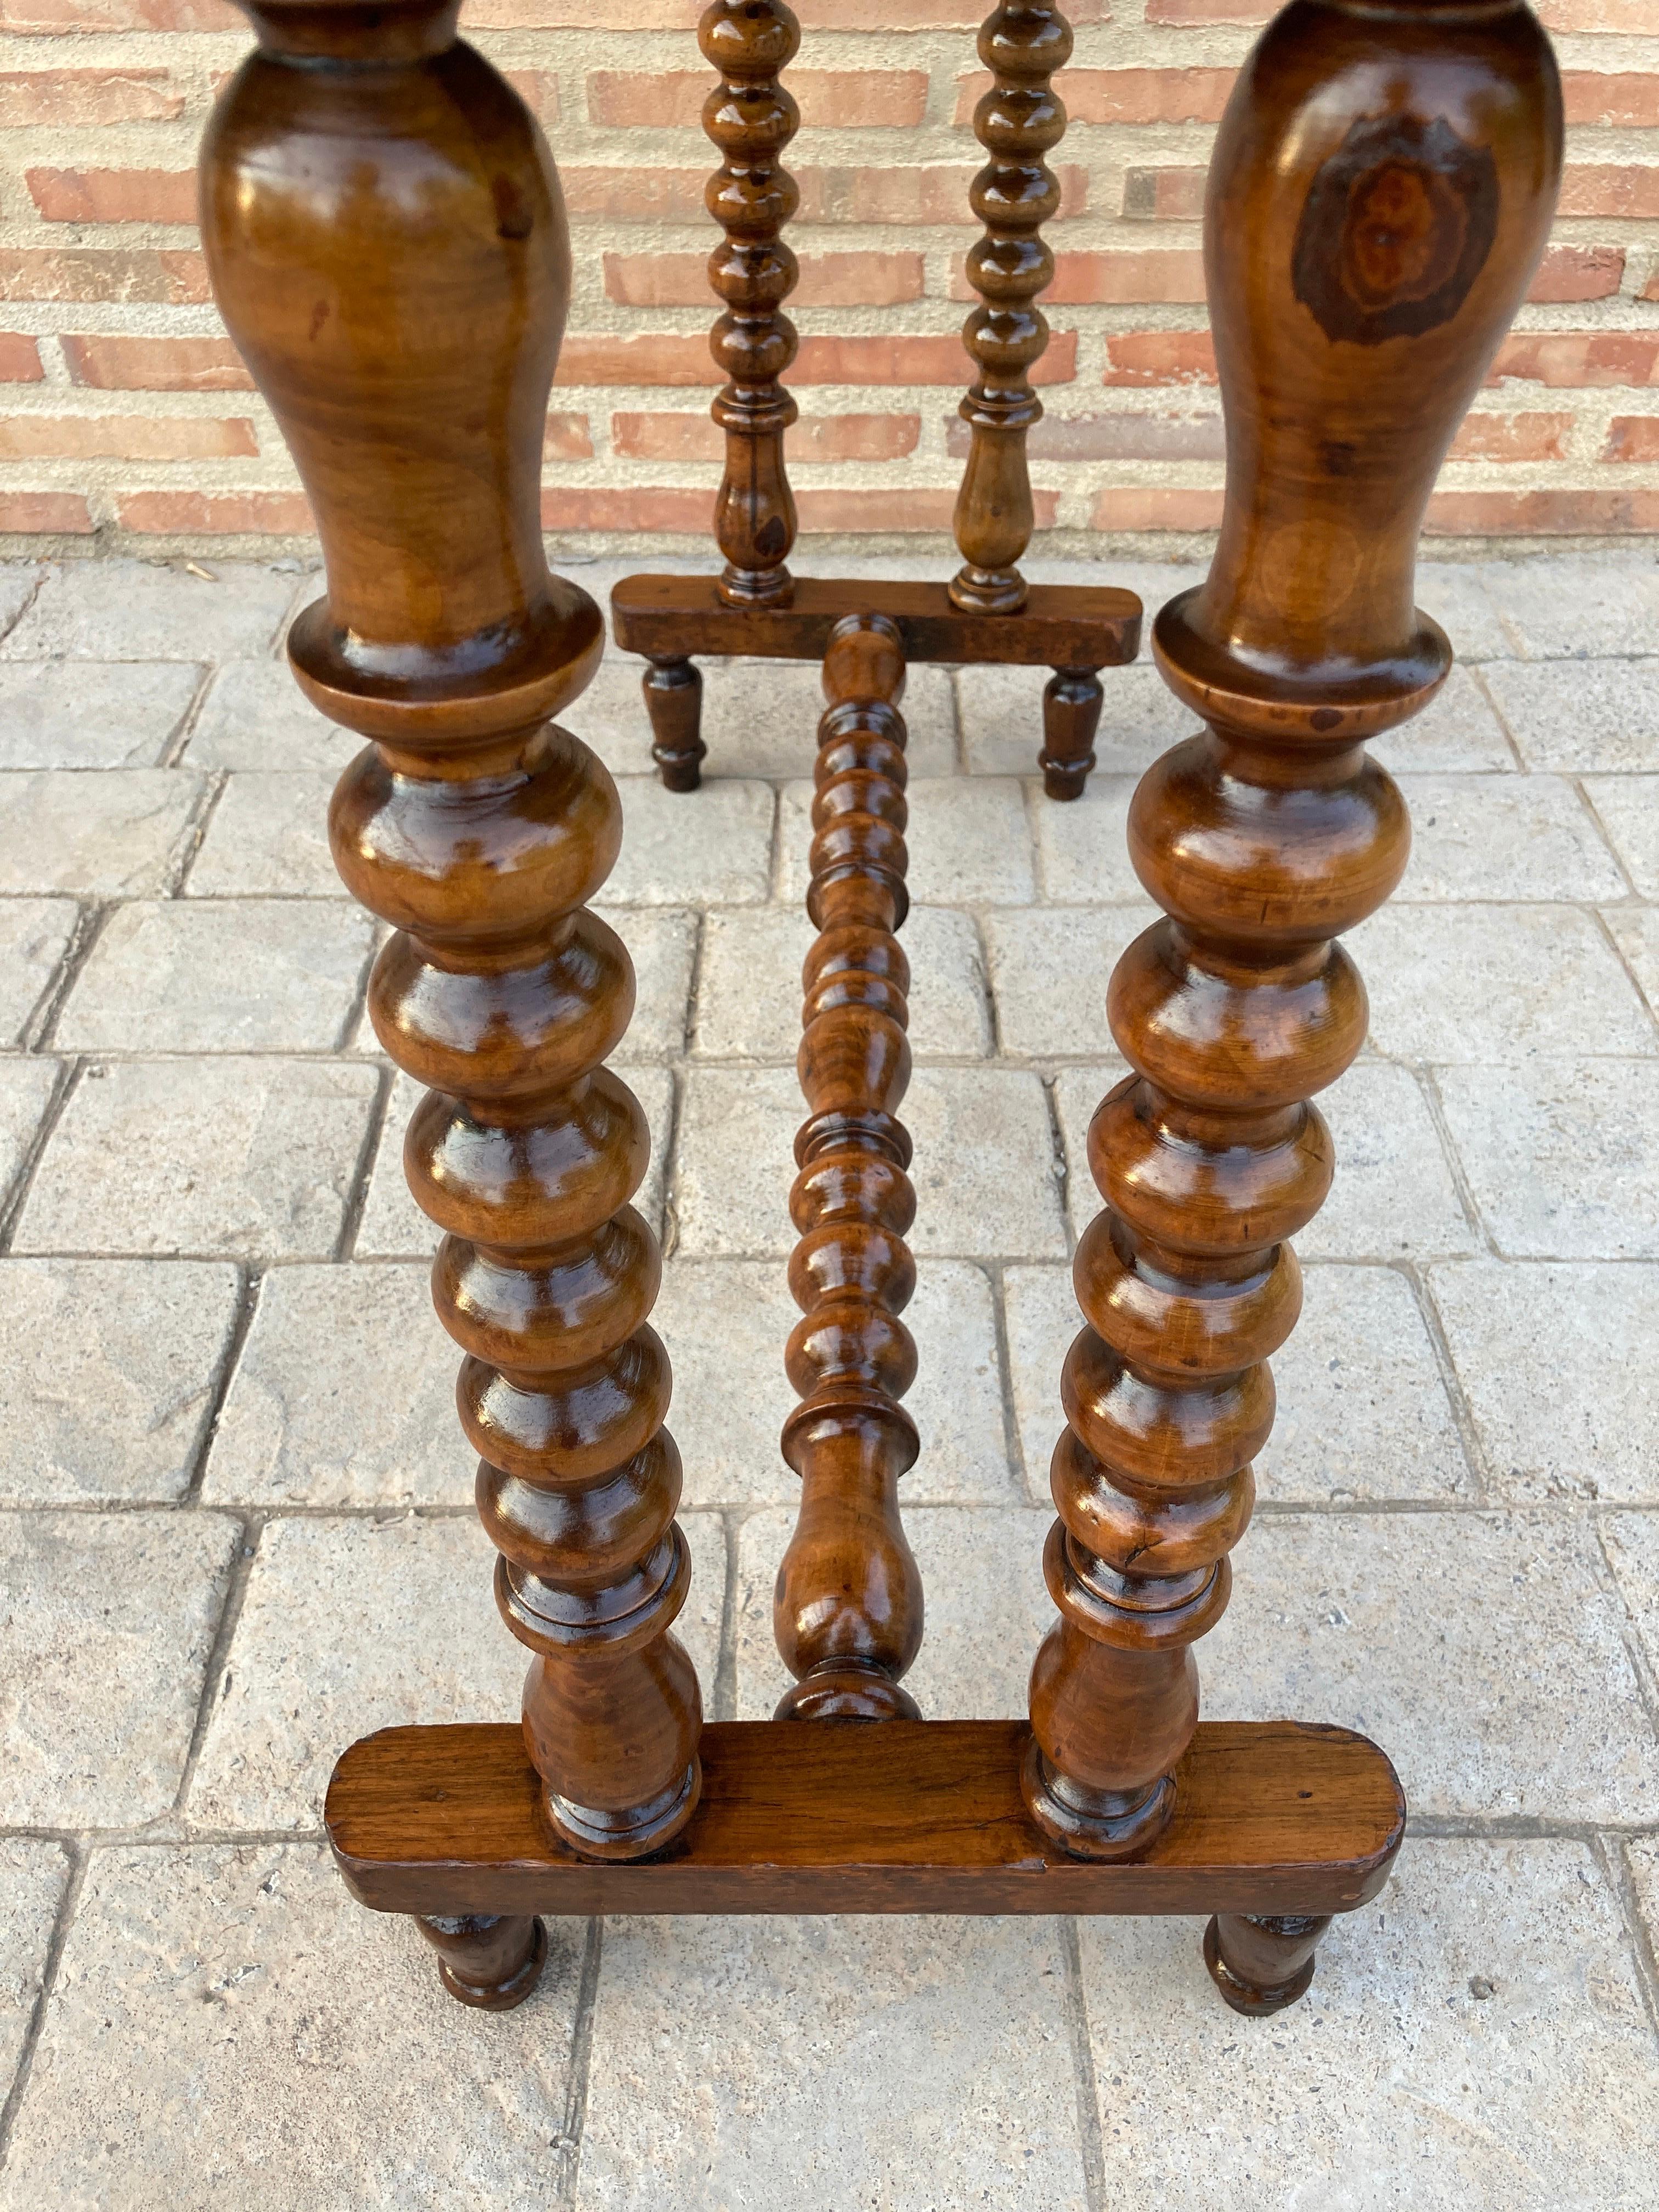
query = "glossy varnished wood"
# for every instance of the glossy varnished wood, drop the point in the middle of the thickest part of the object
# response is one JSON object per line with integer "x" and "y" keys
{"x": 1061, "y": 625}
{"x": 912, "y": 1816}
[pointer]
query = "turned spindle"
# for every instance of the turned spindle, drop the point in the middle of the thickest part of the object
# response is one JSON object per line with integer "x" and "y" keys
{"x": 387, "y": 245}
{"x": 1381, "y": 191}
{"x": 847, "y": 1609}
{"x": 489, "y": 1960}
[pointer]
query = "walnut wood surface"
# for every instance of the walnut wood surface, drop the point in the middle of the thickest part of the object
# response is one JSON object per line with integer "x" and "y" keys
{"x": 1261, "y": 1963}
{"x": 1381, "y": 191}
{"x": 914, "y": 1816}
{"x": 847, "y": 1612}
{"x": 1018, "y": 121}
{"x": 752, "y": 119}
{"x": 1061, "y": 625}
{"x": 387, "y": 245}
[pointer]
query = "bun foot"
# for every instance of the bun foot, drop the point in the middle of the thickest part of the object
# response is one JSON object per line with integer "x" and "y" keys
{"x": 1262, "y": 1964}
{"x": 490, "y": 1960}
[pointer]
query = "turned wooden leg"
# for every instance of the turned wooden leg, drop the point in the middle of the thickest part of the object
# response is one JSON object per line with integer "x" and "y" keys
{"x": 1261, "y": 1965}
{"x": 848, "y": 1609}
{"x": 752, "y": 119}
{"x": 486, "y": 1960}
{"x": 673, "y": 699}
{"x": 1018, "y": 121}
{"x": 1072, "y": 701}
{"x": 386, "y": 242}
{"x": 1364, "y": 261}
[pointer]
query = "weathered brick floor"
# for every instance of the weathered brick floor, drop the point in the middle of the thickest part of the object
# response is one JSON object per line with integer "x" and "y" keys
{"x": 238, "y": 1531}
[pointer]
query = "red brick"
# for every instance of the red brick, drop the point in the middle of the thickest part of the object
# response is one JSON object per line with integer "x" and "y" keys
{"x": 115, "y": 195}
{"x": 217, "y": 514}
{"x": 1578, "y": 359}
{"x": 842, "y": 15}
{"x": 1209, "y": 12}
{"x": 1633, "y": 437}
{"x": 565, "y": 438}
{"x": 1122, "y": 95}
{"x": 1160, "y": 275}
{"x": 1536, "y": 437}
{"x": 840, "y": 99}
{"x": 827, "y": 280}
{"x": 1124, "y": 437}
{"x": 78, "y": 97}
{"x": 538, "y": 89}
{"x": 653, "y": 357}
{"x": 641, "y": 194}
{"x": 686, "y": 508}
{"x": 177, "y": 277}
{"x": 124, "y": 437}
{"x": 932, "y": 360}
{"x": 1140, "y": 357}
{"x": 1616, "y": 188}
{"x": 1134, "y": 506}
{"x": 837, "y": 16}
{"x": 110, "y": 363}
{"x": 1542, "y": 514}
{"x": 20, "y": 359}
{"x": 32, "y": 514}
{"x": 822, "y": 510}
{"x": 1578, "y": 272}
{"x": 1633, "y": 18}
{"x": 829, "y": 438}
{"x": 1168, "y": 195}
{"x": 50, "y": 16}
{"x": 1625, "y": 101}
{"x": 903, "y": 193}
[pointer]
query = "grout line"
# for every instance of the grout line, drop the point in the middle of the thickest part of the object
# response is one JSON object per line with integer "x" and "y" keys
{"x": 17, "y": 1198}
{"x": 1611, "y": 1854}
{"x": 568, "y": 2141}
{"x": 723, "y": 1689}
{"x": 1424, "y": 1077}
{"x": 351, "y": 1218}
{"x": 249, "y": 1282}
{"x": 172, "y": 754}
{"x": 251, "y": 1526}
{"x": 1012, "y": 1442}
{"x": 1641, "y": 1665}
{"x": 1468, "y": 1430}
{"x": 1649, "y": 1006}
{"x": 90, "y": 920}
{"x": 37, "y": 2022}
{"x": 1087, "y": 2081}
{"x": 182, "y": 859}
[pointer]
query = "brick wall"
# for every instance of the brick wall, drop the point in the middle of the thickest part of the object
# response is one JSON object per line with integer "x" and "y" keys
{"x": 124, "y": 414}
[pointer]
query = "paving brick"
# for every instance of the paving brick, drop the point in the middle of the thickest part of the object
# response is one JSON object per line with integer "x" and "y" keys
{"x": 105, "y": 1622}
{"x": 734, "y": 1161}
{"x": 715, "y": 847}
{"x": 1362, "y": 1412}
{"x": 34, "y": 935}
{"x": 749, "y": 984}
{"x": 149, "y": 611}
{"x": 958, "y": 2066}
{"x": 1576, "y": 609}
{"x": 1048, "y": 969}
{"x": 1082, "y": 852}
{"x": 268, "y": 836}
{"x": 393, "y": 1227}
{"x": 109, "y": 833}
{"x": 1509, "y": 837}
{"x": 110, "y": 1375}
{"x": 1457, "y": 2012}
{"x": 256, "y": 717}
{"x": 1585, "y": 715}
{"x": 1635, "y": 930}
{"x": 968, "y": 842}
{"x": 1535, "y": 1712}
{"x": 19, "y": 581}
{"x": 725, "y": 1323}
{"x": 91, "y": 714}
{"x": 1457, "y": 731}
{"x": 252, "y": 1158}
{"x": 344, "y": 1394}
{"x": 1456, "y": 983}
{"x": 1562, "y": 1156}
{"x": 1544, "y": 1356}
{"x": 205, "y": 1993}
{"x": 1628, "y": 807}
{"x": 220, "y": 976}
{"x": 1457, "y": 598}
{"x": 1632, "y": 1547}
{"x": 26, "y": 1089}
{"x": 33, "y": 1875}
{"x": 1002, "y": 719}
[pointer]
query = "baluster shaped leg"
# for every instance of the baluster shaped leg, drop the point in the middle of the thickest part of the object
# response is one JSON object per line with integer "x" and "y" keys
{"x": 1072, "y": 701}
{"x": 848, "y": 1609}
{"x": 489, "y": 1960}
{"x": 1018, "y": 121}
{"x": 752, "y": 119}
{"x": 1381, "y": 191}
{"x": 673, "y": 699}
{"x": 1261, "y": 1964}
{"x": 387, "y": 244}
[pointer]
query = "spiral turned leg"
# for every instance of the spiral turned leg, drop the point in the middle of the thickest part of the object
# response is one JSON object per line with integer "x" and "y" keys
{"x": 752, "y": 119}
{"x": 1018, "y": 121}
{"x": 1331, "y": 228}
{"x": 406, "y": 342}
{"x": 847, "y": 1609}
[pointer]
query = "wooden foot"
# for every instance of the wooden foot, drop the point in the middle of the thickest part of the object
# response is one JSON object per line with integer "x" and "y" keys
{"x": 673, "y": 699}
{"x": 1261, "y": 1964}
{"x": 490, "y": 1960}
{"x": 1072, "y": 701}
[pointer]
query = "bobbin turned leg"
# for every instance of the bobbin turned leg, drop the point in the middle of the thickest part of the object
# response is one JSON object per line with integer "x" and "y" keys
{"x": 1262, "y": 1964}
{"x": 1381, "y": 191}
{"x": 487, "y": 1959}
{"x": 673, "y": 699}
{"x": 847, "y": 1612}
{"x": 387, "y": 243}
